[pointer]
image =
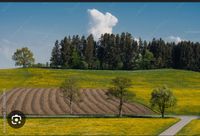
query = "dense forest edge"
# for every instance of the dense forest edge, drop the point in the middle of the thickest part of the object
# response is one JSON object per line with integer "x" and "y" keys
{"x": 122, "y": 52}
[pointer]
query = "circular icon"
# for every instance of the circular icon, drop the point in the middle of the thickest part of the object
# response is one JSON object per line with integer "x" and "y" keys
{"x": 16, "y": 119}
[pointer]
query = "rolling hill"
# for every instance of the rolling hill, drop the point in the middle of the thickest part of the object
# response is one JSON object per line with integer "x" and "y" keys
{"x": 184, "y": 84}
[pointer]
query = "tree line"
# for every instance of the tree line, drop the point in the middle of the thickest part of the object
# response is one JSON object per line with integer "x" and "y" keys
{"x": 122, "y": 51}
{"x": 116, "y": 52}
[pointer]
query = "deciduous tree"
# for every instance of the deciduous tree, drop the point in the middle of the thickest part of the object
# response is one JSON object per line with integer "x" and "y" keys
{"x": 120, "y": 91}
{"x": 162, "y": 98}
{"x": 23, "y": 57}
{"x": 71, "y": 92}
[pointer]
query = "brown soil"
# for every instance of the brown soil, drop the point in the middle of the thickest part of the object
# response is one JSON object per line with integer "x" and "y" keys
{"x": 40, "y": 101}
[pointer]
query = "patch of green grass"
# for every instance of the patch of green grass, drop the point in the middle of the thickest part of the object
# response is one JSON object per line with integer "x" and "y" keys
{"x": 92, "y": 126}
{"x": 184, "y": 84}
{"x": 193, "y": 128}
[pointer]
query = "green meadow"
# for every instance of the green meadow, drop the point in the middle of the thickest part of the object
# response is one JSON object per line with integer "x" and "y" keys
{"x": 184, "y": 84}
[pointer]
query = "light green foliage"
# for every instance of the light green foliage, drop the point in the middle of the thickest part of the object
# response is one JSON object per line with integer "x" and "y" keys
{"x": 120, "y": 91}
{"x": 70, "y": 91}
{"x": 162, "y": 98}
{"x": 76, "y": 60}
{"x": 146, "y": 61}
{"x": 23, "y": 57}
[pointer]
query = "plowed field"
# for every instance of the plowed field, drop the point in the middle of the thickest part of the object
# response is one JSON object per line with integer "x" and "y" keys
{"x": 40, "y": 101}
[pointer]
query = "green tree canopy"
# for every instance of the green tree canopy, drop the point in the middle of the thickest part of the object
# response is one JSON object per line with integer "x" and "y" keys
{"x": 123, "y": 51}
{"x": 56, "y": 55}
{"x": 71, "y": 91}
{"x": 23, "y": 57}
{"x": 162, "y": 98}
{"x": 120, "y": 91}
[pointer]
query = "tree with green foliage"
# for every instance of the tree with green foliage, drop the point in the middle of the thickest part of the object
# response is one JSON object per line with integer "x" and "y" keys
{"x": 102, "y": 51}
{"x": 120, "y": 91}
{"x": 71, "y": 92}
{"x": 66, "y": 52}
{"x": 89, "y": 51}
{"x": 147, "y": 60}
{"x": 83, "y": 43}
{"x": 162, "y": 98}
{"x": 124, "y": 52}
{"x": 76, "y": 60}
{"x": 128, "y": 50}
{"x": 56, "y": 55}
{"x": 113, "y": 50}
{"x": 23, "y": 57}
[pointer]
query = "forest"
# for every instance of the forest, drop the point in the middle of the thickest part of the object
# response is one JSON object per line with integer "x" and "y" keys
{"x": 123, "y": 52}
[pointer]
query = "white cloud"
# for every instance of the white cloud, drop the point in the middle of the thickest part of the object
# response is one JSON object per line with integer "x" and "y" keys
{"x": 136, "y": 39}
{"x": 101, "y": 23}
{"x": 175, "y": 39}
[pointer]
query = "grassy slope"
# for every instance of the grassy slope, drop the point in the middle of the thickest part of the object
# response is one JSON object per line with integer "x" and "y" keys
{"x": 92, "y": 126}
{"x": 193, "y": 128}
{"x": 185, "y": 84}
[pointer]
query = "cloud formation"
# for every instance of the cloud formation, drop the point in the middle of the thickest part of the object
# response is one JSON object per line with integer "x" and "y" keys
{"x": 136, "y": 39}
{"x": 101, "y": 23}
{"x": 175, "y": 39}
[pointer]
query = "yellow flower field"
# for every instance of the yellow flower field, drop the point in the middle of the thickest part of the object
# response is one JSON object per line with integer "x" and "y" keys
{"x": 91, "y": 126}
{"x": 193, "y": 128}
{"x": 184, "y": 84}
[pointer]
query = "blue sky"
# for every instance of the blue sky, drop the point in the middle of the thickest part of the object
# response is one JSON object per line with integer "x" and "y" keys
{"x": 38, "y": 25}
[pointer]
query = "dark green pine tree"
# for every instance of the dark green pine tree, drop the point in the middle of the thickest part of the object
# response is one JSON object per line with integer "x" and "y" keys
{"x": 89, "y": 56}
{"x": 158, "y": 48}
{"x": 76, "y": 60}
{"x": 197, "y": 56}
{"x": 123, "y": 52}
{"x": 56, "y": 56}
{"x": 117, "y": 63}
{"x": 101, "y": 51}
{"x": 110, "y": 52}
{"x": 128, "y": 47}
{"x": 66, "y": 52}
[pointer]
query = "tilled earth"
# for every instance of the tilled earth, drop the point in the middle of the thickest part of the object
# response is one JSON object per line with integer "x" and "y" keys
{"x": 50, "y": 101}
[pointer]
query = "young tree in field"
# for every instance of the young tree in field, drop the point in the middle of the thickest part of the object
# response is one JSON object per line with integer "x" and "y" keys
{"x": 162, "y": 98}
{"x": 71, "y": 92}
{"x": 23, "y": 57}
{"x": 120, "y": 91}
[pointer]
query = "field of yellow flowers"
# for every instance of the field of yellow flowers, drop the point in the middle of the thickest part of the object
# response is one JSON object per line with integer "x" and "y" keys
{"x": 193, "y": 128}
{"x": 91, "y": 126}
{"x": 184, "y": 84}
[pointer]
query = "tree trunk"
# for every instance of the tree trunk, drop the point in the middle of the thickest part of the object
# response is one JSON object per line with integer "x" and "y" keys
{"x": 162, "y": 114}
{"x": 163, "y": 111}
{"x": 24, "y": 66}
{"x": 120, "y": 108}
{"x": 101, "y": 65}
